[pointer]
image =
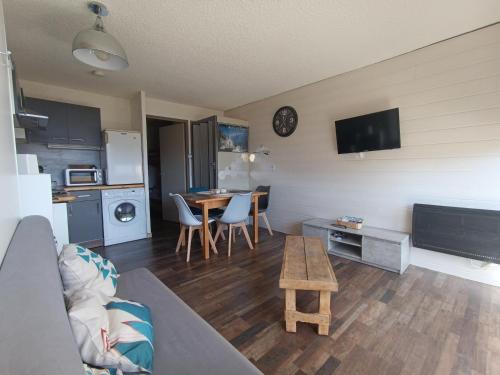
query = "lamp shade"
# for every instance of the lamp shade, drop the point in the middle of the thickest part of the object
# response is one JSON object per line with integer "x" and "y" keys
{"x": 99, "y": 49}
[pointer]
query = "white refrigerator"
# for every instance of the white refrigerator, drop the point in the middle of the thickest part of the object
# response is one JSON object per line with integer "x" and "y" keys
{"x": 123, "y": 155}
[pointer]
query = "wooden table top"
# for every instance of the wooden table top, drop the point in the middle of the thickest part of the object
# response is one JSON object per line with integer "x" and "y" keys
{"x": 200, "y": 198}
{"x": 306, "y": 265}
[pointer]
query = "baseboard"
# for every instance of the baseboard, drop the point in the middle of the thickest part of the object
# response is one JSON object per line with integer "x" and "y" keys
{"x": 457, "y": 266}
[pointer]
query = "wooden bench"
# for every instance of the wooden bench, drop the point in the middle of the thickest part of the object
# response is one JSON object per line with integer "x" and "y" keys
{"x": 306, "y": 267}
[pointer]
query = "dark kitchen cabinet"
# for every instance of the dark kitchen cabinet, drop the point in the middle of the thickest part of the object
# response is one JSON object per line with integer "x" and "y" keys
{"x": 57, "y": 130}
{"x": 84, "y": 125}
{"x": 69, "y": 124}
{"x": 85, "y": 219}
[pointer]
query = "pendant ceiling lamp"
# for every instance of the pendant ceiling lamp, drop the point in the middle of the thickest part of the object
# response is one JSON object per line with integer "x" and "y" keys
{"x": 97, "y": 48}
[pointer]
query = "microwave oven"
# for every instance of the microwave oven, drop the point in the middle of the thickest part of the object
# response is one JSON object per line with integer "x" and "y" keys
{"x": 82, "y": 177}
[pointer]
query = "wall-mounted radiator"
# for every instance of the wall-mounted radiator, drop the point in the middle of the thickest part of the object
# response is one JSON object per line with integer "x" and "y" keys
{"x": 466, "y": 232}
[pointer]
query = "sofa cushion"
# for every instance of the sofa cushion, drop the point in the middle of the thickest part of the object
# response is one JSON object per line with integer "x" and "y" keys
{"x": 89, "y": 370}
{"x": 35, "y": 335}
{"x": 111, "y": 332}
{"x": 131, "y": 334}
{"x": 82, "y": 268}
{"x": 184, "y": 343}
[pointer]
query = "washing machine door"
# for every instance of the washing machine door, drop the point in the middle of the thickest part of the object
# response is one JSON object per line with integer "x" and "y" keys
{"x": 125, "y": 212}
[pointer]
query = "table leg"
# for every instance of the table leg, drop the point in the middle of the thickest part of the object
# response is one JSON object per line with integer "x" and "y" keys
{"x": 206, "y": 244}
{"x": 290, "y": 309}
{"x": 324, "y": 309}
{"x": 256, "y": 219}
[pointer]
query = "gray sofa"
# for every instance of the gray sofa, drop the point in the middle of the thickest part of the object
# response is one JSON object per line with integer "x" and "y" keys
{"x": 35, "y": 335}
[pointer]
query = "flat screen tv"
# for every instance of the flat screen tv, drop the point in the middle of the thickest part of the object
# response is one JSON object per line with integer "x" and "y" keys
{"x": 375, "y": 131}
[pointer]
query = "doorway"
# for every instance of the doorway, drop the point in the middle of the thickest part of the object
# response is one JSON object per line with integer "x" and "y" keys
{"x": 167, "y": 166}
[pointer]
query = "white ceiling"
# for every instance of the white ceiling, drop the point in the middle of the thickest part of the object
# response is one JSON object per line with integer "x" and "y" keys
{"x": 225, "y": 53}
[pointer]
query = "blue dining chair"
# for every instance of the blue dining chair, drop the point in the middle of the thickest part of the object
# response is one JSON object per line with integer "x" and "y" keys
{"x": 197, "y": 211}
{"x": 191, "y": 222}
{"x": 233, "y": 217}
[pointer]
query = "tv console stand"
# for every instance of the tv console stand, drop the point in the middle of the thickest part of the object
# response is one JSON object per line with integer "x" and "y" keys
{"x": 383, "y": 248}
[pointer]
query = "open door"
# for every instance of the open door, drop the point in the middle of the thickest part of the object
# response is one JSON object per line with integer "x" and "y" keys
{"x": 204, "y": 153}
{"x": 173, "y": 167}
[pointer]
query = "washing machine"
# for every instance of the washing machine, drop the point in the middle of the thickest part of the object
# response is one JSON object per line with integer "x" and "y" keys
{"x": 124, "y": 215}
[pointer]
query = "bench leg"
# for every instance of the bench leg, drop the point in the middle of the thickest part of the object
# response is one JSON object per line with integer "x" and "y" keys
{"x": 291, "y": 324}
{"x": 324, "y": 309}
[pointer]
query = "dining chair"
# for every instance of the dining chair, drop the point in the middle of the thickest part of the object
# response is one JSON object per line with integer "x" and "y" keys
{"x": 233, "y": 217}
{"x": 263, "y": 205}
{"x": 191, "y": 222}
{"x": 197, "y": 211}
{"x": 194, "y": 190}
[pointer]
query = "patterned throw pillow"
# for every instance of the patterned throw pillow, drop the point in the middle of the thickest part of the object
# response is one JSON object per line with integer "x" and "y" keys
{"x": 82, "y": 268}
{"x": 100, "y": 371}
{"x": 111, "y": 332}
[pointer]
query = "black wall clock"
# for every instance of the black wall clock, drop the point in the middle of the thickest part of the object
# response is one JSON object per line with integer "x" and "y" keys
{"x": 285, "y": 121}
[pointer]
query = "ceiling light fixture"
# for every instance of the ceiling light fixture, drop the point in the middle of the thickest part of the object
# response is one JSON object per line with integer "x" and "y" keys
{"x": 97, "y": 48}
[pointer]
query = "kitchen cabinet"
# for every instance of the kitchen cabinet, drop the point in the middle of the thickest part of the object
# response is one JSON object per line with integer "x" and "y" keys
{"x": 84, "y": 125}
{"x": 69, "y": 124}
{"x": 57, "y": 130}
{"x": 85, "y": 219}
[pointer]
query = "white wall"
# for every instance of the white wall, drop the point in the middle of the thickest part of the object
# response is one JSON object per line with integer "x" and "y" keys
{"x": 162, "y": 108}
{"x": 233, "y": 170}
{"x": 9, "y": 214}
{"x": 449, "y": 100}
{"x": 116, "y": 113}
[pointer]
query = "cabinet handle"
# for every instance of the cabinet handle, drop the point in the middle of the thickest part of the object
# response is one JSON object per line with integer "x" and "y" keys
{"x": 70, "y": 210}
{"x": 98, "y": 208}
{"x": 77, "y": 140}
{"x": 58, "y": 138}
{"x": 83, "y": 196}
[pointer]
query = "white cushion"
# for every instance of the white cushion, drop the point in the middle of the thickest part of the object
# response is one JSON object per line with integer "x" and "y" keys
{"x": 111, "y": 332}
{"x": 82, "y": 268}
{"x": 89, "y": 370}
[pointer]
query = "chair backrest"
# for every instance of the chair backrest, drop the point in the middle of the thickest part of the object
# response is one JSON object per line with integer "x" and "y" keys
{"x": 238, "y": 209}
{"x": 186, "y": 217}
{"x": 198, "y": 189}
{"x": 264, "y": 200}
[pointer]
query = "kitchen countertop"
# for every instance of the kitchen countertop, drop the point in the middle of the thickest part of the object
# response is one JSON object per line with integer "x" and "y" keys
{"x": 63, "y": 198}
{"x": 103, "y": 187}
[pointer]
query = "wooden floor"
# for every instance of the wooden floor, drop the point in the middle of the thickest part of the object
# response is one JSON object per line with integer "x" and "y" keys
{"x": 422, "y": 322}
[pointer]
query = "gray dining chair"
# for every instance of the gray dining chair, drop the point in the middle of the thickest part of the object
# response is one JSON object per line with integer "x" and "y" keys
{"x": 191, "y": 222}
{"x": 235, "y": 216}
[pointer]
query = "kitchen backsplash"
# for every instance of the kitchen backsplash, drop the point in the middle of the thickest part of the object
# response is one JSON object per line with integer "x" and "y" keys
{"x": 55, "y": 161}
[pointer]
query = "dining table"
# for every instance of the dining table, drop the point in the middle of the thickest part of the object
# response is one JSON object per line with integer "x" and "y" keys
{"x": 209, "y": 200}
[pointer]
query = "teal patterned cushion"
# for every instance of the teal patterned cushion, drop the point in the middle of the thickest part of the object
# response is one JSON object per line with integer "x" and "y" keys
{"x": 82, "y": 268}
{"x": 111, "y": 332}
{"x": 131, "y": 333}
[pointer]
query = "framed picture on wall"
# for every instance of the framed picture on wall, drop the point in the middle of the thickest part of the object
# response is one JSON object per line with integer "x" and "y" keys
{"x": 233, "y": 138}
